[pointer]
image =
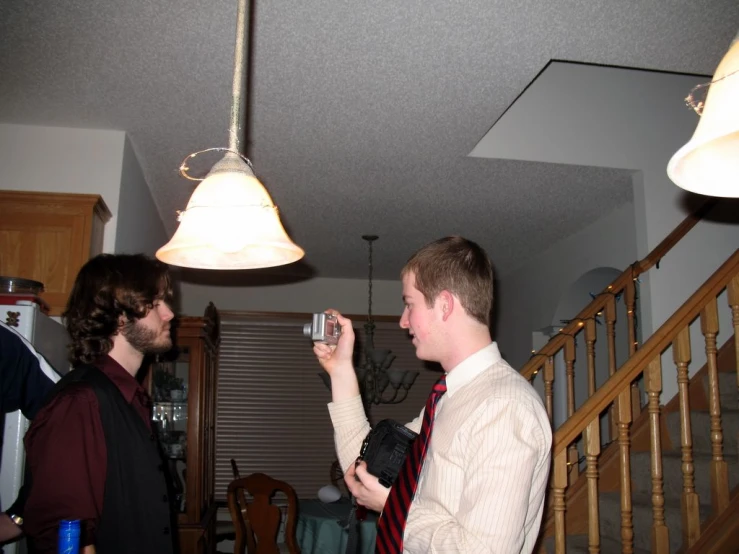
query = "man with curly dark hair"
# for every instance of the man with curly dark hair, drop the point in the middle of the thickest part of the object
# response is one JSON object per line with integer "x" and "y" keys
{"x": 92, "y": 452}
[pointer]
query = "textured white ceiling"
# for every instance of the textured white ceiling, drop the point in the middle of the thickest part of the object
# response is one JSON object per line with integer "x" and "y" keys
{"x": 362, "y": 114}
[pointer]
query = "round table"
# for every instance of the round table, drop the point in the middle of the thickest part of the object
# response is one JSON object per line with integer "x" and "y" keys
{"x": 320, "y": 528}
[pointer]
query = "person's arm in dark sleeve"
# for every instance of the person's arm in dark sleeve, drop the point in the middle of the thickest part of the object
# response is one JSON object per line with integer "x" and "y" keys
{"x": 23, "y": 385}
{"x": 67, "y": 459}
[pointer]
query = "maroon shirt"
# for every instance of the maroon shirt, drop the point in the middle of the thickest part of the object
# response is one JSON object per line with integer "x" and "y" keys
{"x": 67, "y": 456}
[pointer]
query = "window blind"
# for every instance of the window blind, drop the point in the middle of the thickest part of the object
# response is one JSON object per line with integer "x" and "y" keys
{"x": 271, "y": 405}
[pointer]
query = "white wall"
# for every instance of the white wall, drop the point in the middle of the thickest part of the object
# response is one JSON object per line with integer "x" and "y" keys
{"x": 86, "y": 161}
{"x": 622, "y": 118}
{"x": 528, "y": 298}
{"x": 349, "y": 296}
{"x": 57, "y": 159}
{"x": 140, "y": 229}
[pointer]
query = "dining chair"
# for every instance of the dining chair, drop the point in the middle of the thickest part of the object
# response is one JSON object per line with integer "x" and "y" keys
{"x": 257, "y": 522}
{"x": 235, "y": 469}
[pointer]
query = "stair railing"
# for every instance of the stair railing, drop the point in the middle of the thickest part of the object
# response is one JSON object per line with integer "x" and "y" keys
{"x": 617, "y": 395}
{"x": 604, "y": 305}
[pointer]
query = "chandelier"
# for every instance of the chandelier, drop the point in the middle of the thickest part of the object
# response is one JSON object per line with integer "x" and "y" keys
{"x": 377, "y": 382}
{"x": 380, "y": 384}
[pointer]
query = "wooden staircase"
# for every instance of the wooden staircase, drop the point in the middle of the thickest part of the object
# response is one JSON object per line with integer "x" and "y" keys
{"x": 659, "y": 478}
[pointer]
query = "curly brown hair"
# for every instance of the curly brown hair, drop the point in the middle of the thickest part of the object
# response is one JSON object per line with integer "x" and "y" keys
{"x": 108, "y": 287}
{"x": 458, "y": 265}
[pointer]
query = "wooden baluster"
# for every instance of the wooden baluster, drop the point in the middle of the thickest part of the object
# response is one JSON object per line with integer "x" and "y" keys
{"x": 592, "y": 451}
{"x": 624, "y": 444}
{"x": 570, "y": 371}
{"x": 732, "y": 292}
{"x": 573, "y": 456}
{"x": 719, "y": 470}
{"x": 590, "y": 348}
{"x": 611, "y": 339}
{"x": 558, "y": 495}
{"x": 660, "y": 533}
{"x": 610, "y": 313}
{"x": 630, "y": 299}
{"x": 690, "y": 514}
{"x": 548, "y": 389}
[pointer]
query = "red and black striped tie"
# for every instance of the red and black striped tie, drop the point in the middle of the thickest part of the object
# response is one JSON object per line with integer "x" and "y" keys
{"x": 392, "y": 521}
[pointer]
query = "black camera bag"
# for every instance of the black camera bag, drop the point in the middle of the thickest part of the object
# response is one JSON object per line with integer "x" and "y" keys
{"x": 385, "y": 448}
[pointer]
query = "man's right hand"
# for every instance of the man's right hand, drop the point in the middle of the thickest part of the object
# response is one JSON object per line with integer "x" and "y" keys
{"x": 336, "y": 360}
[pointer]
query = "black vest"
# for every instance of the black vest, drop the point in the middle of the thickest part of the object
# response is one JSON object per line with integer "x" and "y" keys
{"x": 137, "y": 515}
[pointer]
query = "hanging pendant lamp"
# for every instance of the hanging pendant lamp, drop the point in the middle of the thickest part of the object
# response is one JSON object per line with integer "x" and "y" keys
{"x": 709, "y": 163}
{"x": 230, "y": 221}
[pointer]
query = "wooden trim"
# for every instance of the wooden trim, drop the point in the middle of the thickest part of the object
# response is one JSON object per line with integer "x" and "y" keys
{"x": 720, "y": 534}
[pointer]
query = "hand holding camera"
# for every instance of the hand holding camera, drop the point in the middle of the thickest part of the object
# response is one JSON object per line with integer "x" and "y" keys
{"x": 333, "y": 345}
{"x": 323, "y": 328}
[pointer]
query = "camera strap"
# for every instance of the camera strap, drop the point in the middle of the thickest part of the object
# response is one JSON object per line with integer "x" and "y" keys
{"x": 352, "y": 527}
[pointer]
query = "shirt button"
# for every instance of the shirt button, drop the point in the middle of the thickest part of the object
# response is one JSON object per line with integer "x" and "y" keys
{"x": 166, "y": 530}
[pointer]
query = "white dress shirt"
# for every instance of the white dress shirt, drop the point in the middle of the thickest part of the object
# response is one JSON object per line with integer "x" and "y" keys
{"x": 483, "y": 482}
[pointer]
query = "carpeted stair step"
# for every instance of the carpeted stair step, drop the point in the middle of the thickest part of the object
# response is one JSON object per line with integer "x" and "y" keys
{"x": 641, "y": 474}
{"x": 700, "y": 422}
{"x": 642, "y": 518}
{"x": 578, "y": 544}
{"x": 727, "y": 389}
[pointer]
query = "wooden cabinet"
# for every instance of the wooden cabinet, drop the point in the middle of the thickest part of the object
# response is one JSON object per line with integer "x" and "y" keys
{"x": 182, "y": 385}
{"x": 47, "y": 237}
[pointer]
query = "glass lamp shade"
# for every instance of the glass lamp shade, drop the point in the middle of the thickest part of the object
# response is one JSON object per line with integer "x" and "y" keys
{"x": 230, "y": 223}
{"x": 709, "y": 163}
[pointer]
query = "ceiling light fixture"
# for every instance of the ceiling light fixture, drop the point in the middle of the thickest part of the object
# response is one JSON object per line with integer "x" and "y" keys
{"x": 709, "y": 163}
{"x": 230, "y": 221}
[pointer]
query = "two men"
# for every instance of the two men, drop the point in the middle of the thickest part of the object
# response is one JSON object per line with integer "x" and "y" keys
{"x": 483, "y": 474}
{"x": 91, "y": 451}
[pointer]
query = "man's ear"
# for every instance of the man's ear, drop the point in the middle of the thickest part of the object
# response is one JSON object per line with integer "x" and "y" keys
{"x": 446, "y": 303}
{"x": 122, "y": 320}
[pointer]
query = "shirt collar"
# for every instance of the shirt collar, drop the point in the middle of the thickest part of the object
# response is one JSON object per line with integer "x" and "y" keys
{"x": 471, "y": 367}
{"x": 122, "y": 379}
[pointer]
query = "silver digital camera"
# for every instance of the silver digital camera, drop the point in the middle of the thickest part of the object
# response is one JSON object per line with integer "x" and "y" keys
{"x": 324, "y": 328}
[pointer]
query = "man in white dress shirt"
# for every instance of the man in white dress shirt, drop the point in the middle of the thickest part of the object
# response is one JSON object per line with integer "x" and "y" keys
{"x": 483, "y": 481}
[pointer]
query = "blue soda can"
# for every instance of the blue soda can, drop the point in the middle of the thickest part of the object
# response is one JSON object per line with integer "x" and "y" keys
{"x": 69, "y": 536}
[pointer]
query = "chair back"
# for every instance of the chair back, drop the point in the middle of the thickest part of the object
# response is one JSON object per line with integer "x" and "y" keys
{"x": 257, "y": 522}
{"x": 235, "y": 469}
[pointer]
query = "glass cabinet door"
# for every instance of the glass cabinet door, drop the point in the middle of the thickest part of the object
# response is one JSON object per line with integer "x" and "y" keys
{"x": 169, "y": 392}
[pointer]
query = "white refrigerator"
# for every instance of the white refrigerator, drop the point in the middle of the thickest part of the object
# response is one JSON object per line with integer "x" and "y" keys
{"x": 48, "y": 339}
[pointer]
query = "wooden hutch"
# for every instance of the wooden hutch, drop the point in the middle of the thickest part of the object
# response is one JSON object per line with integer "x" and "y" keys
{"x": 182, "y": 385}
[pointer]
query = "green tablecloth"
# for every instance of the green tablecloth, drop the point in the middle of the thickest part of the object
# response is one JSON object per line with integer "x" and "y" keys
{"x": 320, "y": 530}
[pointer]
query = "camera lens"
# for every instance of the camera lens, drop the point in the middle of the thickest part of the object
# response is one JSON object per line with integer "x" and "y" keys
{"x": 308, "y": 330}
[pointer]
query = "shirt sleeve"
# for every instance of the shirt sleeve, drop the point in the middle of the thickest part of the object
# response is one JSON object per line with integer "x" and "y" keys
{"x": 505, "y": 477}
{"x": 67, "y": 458}
{"x": 351, "y": 427}
{"x": 24, "y": 386}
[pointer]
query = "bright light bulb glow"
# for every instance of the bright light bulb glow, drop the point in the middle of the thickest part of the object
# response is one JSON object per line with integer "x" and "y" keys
{"x": 709, "y": 163}
{"x": 230, "y": 223}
